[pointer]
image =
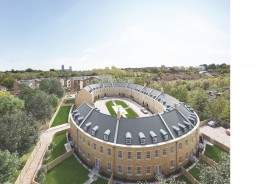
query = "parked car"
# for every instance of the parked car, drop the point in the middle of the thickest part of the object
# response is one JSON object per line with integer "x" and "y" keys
{"x": 144, "y": 111}
{"x": 228, "y": 131}
{"x": 214, "y": 124}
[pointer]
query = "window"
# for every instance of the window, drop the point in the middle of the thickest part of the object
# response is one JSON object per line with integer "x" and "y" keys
{"x": 94, "y": 146}
{"x": 172, "y": 149}
{"x": 128, "y": 141}
{"x": 164, "y": 151}
{"x": 129, "y": 155}
{"x": 180, "y": 160}
{"x": 119, "y": 155}
{"x": 105, "y": 137}
{"x": 186, "y": 156}
{"x": 180, "y": 146}
{"x": 155, "y": 140}
{"x": 148, "y": 170}
{"x": 88, "y": 156}
{"x": 139, "y": 155}
{"x": 186, "y": 143}
{"x": 148, "y": 155}
{"x": 101, "y": 149}
{"x": 109, "y": 166}
{"x": 119, "y": 169}
{"x": 156, "y": 153}
{"x": 108, "y": 152}
{"x": 129, "y": 171}
{"x": 88, "y": 143}
{"x": 138, "y": 171}
{"x": 172, "y": 164}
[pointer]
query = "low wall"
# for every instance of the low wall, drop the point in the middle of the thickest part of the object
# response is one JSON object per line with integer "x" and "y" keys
{"x": 110, "y": 181}
{"x": 27, "y": 165}
{"x": 202, "y": 123}
{"x": 215, "y": 142}
{"x": 207, "y": 160}
{"x": 189, "y": 176}
{"x": 59, "y": 159}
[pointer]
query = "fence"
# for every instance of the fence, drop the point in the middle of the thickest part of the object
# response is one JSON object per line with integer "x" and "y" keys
{"x": 189, "y": 176}
{"x": 28, "y": 163}
{"x": 207, "y": 160}
{"x": 59, "y": 159}
{"x": 215, "y": 142}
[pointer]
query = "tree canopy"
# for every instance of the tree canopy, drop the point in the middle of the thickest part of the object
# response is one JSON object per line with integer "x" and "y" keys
{"x": 9, "y": 103}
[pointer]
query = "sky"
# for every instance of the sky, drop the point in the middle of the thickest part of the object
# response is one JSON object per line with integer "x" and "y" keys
{"x": 84, "y": 34}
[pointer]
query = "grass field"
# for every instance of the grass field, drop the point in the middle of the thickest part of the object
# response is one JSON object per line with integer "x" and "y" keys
{"x": 70, "y": 171}
{"x": 62, "y": 116}
{"x": 59, "y": 149}
{"x": 100, "y": 181}
{"x": 109, "y": 105}
{"x": 130, "y": 112}
{"x": 195, "y": 171}
{"x": 214, "y": 152}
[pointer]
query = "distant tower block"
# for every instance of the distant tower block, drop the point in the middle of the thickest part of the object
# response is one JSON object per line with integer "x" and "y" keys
{"x": 70, "y": 68}
{"x": 62, "y": 67}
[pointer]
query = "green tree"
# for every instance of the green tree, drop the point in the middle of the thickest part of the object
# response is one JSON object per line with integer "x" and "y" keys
{"x": 198, "y": 100}
{"x": 19, "y": 132}
{"x": 40, "y": 106}
{"x": 54, "y": 101}
{"x": 45, "y": 85}
{"x": 10, "y": 103}
{"x": 56, "y": 88}
{"x": 181, "y": 93}
{"x": 9, "y": 164}
{"x": 26, "y": 93}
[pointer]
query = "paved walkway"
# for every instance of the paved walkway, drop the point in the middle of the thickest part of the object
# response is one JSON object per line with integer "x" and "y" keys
{"x": 45, "y": 140}
{"x": 218, "y": 134}
{"x": 101, "y": 105}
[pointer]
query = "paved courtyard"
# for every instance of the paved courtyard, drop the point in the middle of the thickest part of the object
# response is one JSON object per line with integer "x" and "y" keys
{"x": 218, "y": 134}
{"x": 101, "y": 105}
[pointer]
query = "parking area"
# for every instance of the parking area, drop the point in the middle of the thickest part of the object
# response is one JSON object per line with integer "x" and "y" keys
{"x": 219, "y": 134}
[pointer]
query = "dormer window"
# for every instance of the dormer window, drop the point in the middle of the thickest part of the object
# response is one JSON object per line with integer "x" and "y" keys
{"x": 128, "y": 138}
{"x": 80, "y": 119}
{"x": 86, "y": 126}
{"x": 183, "y": 127}
{"x": 164, "y": 134}
{"x": 106, "y": 134}
{"x": 177, "y": 130}
{"x": 154, "y": 137}
{"x": 142, "y": 137}
{"x": 76, "y": 115}
{"x": 187, "y": 124}
{"x": 94, "y": 130}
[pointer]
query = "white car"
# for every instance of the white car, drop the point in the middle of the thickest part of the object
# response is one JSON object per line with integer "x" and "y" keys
{"x": 144, "y": 111}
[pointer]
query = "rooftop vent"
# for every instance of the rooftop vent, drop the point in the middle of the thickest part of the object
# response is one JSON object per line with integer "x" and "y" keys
{"x": 76, "y": 111}
{"x": 165, "y": 134}
{"x": 106, "y": 134}
{"x": 94, "y": 130}
{"x": 177, "y": 130}
{"x": 183, "y": 127}
{"x": 86, "y": 126}
{"x": 76, "y": 115}
{"x": 128, "y": 138}
{"x": 154, "y": 137}
{"x": 191, "y": 120}
{"x": 142, "y": 137}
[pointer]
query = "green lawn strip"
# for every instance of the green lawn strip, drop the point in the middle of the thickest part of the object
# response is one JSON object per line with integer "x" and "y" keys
{"x": 59, "y": 149}
{"x": 183, "y": 179}
{"x": 214, "y": 152}
{"x": 123, "y": 104}
{"x": 131, "y": 113}
{"x": 70, "y": 101}
{"x": 70, "y": 171}
{"x": 26, "y": 156}
{"x": 62, "y": 116}
{"x": 195, "y": 171}
{"x": 109, "y": 105}
{"x": 100, "y": 181}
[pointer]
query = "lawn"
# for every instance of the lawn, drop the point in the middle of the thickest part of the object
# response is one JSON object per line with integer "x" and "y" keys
{"x": 109, "y": 105}
{"x": 100, "y": 181}
{"x": 26, "y": 156}
{"x": 70, "y": 101}
{"x": 70, "y": 171}
{"x": 195, "y": 171}
{"x": 130, "y": 112}
{"x": 183, "y": 179}
{"x": 59, "y": 149}
{"x": 62, "y": 116}
{"x": 214, "y": 152}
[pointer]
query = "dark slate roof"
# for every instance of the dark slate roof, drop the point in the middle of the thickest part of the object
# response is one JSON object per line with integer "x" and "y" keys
{"x": 147, "y": 90}
{"x": 184, "y": 110}
{"x": 131, "y": 86}
{"x": 103, "y": 122}
{"x": 119, "y": 84}
{"x": 154, "y": 93}
{"x": 145, "y": 125}
{"x": 83, "y": 110}
{"x": 107, "y": 85}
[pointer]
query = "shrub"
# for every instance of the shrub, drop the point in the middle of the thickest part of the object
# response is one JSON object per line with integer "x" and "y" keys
{"x": 41, "y": 175}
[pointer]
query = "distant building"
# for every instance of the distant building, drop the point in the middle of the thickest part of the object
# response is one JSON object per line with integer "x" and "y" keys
{"x": 2, "y": 88}
{"x": 33, "y": 83}
{"x": 201, "y": 68}
{"x": 66, "y": 70}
